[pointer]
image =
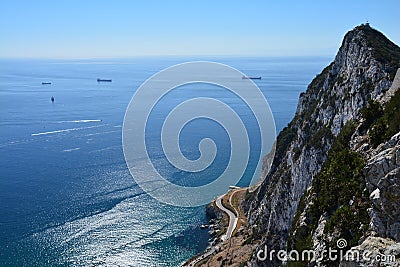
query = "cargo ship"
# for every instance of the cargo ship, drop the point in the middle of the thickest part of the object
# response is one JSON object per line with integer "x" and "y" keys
{"x": 103, "y": 80}
{"x": 251, "y": 77}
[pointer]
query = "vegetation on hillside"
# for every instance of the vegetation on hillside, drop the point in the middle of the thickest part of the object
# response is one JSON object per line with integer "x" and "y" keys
{"x": 384, "y": 50}
{"x": 338, "y": 193}
{"x": 382, "y": 123}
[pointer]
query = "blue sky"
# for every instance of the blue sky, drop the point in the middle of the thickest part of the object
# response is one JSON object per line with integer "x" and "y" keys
{"x": 99, "y": 28}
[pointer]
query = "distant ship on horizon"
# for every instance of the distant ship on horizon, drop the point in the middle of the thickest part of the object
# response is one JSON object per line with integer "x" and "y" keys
{"x": 104, "y": 80}
{"x": 251, "y": 77}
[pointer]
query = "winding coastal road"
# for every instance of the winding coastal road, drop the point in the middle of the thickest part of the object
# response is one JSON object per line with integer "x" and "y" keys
{"x": 232, "y": 218}
{"x": 231, "y": 227}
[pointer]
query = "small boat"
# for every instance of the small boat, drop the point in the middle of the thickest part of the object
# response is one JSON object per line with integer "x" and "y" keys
{"x": 52, "y": 99}
{"x": 251, "y": 77}
{"x": 44, "y": 83}
{"x": 104, "y": 80}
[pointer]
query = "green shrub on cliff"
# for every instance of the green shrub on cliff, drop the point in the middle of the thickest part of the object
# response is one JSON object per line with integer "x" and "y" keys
{"x": 382, "y": 123}
{"x": 371, "y": 113}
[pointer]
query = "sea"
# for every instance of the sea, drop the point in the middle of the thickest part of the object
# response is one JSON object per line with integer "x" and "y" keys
{"x": 67, "y": 197}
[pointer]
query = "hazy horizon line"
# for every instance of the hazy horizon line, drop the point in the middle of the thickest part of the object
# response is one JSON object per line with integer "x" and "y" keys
{"x": 172, "y": 56}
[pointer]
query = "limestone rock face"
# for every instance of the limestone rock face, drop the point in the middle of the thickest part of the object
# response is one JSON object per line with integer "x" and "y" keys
{"x": 382, "y": 174}
{"x": 333, "y": 98}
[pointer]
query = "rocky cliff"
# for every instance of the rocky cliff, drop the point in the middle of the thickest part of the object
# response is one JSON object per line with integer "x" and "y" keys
{"x": 362, "y": 71}
{"x": 336, "y": 169}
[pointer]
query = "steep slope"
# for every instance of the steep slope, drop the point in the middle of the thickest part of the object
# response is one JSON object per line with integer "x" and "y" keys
{"x": 359, "y": 72}
{"x": 326, "y": 151}
{"x": 356, "y": 194}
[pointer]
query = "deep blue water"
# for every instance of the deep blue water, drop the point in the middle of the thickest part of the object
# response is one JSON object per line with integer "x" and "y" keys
{"x": 66, "y": 195}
